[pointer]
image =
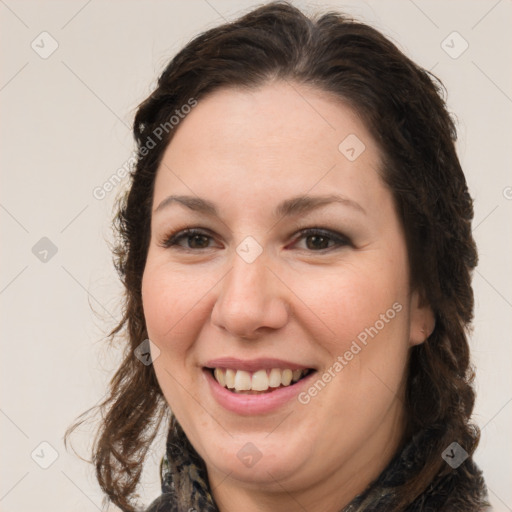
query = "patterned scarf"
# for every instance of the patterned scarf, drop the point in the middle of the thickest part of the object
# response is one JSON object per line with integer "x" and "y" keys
{"x": 185, "y": 486}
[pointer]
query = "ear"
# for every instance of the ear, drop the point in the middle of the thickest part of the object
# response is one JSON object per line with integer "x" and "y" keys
{"x": 422, "y": 319}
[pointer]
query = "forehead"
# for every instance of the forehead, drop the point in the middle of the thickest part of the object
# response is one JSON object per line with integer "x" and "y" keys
{"x": 276, "y": 114}
{"x": 281, "y": 138}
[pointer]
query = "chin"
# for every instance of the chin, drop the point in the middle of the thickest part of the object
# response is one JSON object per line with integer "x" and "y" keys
{"x": 271, "y": 468}
{"x": 255, "y": 458}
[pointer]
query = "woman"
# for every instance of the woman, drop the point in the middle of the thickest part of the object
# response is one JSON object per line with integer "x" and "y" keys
{"x": 296, "y": 244}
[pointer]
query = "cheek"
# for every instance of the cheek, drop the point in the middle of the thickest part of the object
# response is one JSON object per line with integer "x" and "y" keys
{"x": 351, "y": 299}
{"x": 174, "y": 311}
{"x": 364, "y": 314}
{"x": 172, "y": 303}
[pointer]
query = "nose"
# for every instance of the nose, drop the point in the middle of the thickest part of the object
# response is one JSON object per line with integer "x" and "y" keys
{"x": 251, "y": 301}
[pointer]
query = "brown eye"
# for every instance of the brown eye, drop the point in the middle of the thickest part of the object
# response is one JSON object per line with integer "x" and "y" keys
{"x": 191, "y": 239}
{"x": 317, "y": 242}
{"x": 321, "y": 239}
{"x": 197, "y": 241}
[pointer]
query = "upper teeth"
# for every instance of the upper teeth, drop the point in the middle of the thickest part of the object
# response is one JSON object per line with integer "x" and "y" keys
{"x": 261, "y": 380}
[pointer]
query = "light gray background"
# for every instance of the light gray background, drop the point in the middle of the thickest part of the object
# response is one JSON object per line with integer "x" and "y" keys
{"x": 65, "y": 129}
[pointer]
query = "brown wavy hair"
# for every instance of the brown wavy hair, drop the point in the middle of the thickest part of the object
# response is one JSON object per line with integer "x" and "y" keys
{"x": 404, "y": 108}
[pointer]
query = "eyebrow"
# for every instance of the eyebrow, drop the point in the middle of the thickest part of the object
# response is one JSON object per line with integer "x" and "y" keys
{"x": 293, "y": 206}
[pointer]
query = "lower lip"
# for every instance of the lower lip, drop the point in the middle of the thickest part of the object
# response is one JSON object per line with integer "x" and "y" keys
{"x": 241, "y": 403}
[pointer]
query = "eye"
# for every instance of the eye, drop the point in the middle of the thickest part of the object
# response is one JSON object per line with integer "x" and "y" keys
{"x": 317, "y": 239}
{"x": 190, "y": 238}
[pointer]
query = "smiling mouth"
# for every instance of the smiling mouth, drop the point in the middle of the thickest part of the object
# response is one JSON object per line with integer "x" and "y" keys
{"x": 258, "y": 382}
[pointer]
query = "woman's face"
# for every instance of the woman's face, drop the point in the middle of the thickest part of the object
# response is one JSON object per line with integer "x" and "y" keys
{"x": 249, "y": 294}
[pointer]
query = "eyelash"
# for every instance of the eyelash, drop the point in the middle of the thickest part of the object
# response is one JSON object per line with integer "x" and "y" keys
{"x": 173, "y": 239}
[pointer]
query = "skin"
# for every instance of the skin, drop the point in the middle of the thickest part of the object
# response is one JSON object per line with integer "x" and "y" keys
{"x": 246, "y": 151}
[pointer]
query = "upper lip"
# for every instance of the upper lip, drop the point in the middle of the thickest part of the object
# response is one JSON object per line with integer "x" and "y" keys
{"x": 252, "y": 365}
